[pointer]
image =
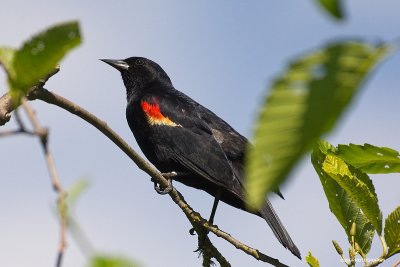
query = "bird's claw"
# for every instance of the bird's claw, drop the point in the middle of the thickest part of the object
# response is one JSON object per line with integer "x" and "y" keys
{"x": 163, "y": 191}
{"x": 191, "y": 231}
{"x": 198, "y": 249}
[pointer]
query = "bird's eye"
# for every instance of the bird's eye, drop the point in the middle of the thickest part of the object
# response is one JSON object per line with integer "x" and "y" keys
{"x": 139, "y": 62}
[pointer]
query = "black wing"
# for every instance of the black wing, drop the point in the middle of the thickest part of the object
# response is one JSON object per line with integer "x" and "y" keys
{"x": 192, "y": 143}
{"x": 232, "y": 143}
{"x": 206, "y": 145}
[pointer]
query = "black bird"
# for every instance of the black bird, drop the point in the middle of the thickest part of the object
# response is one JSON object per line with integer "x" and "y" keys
{"x": 181, "y": 137}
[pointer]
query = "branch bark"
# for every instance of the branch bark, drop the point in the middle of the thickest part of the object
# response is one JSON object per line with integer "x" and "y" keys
{"x": 200, "y": 225}
{"x": 6, "y": 107}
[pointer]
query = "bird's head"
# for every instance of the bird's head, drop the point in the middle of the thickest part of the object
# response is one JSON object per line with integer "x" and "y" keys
{"x": 139, "y": 73}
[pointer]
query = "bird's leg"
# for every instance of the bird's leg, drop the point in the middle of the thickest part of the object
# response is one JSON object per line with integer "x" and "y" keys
{"x": 214, "y": 209}
{"x": 168, "y": 176}
{"x": 215, "y": 205}
{"x": 218, "y": 195}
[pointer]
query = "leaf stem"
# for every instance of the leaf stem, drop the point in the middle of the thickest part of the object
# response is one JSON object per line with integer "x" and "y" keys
{"x": 384, "y": 247}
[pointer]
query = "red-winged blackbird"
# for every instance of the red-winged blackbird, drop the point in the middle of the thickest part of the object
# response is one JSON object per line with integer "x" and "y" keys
{"x": 180, "y": 136}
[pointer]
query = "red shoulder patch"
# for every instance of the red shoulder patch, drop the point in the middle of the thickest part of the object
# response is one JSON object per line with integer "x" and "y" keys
{"x": 154, "y": 115}
{"x": 152, "y": 110}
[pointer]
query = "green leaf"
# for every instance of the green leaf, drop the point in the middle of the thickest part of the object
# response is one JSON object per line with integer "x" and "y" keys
{"x": 333, "y": 7}
{"x": 40, "y": 55}
{"x": 341, "y": 204}
{"x": 311, "y": 260}
{"x": 370, "y": 159}
{"x": 303, "y": 104}
{"x": 108, "y": 261}
{"x": 352, "y": 181}
{"x": 392, "y": 232}
{"x": 6, "y": 59}
{"x": 76, "y": 191}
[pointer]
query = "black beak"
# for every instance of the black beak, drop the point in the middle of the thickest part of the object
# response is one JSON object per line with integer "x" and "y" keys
{"x": 116, "y": 63}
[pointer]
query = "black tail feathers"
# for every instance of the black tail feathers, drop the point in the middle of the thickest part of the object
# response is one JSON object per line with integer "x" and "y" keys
{"x": 268, "y": 213}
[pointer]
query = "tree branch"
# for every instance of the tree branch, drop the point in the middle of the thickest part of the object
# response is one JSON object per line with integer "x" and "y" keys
{"x": 43, "y": 133}
{"x": 7, "y": 105}
{"x": 200, "y": 225}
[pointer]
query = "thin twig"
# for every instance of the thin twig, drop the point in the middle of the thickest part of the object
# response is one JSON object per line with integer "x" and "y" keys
{"x": 21, "y": 128}
{"x": 193, "y": 216}
{"x": 43, "y": 133}
{"x": 14, "y": 132}
{"x": 396, "y": 264}
{"x": 19, "y": 120}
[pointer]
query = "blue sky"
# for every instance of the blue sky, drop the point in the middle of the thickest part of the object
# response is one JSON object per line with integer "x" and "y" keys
{"x": 224, "y": 54}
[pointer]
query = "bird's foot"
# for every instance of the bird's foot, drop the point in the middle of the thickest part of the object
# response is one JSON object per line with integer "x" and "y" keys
{"x": 163, "y": 191}
{"x": 191, "y": 231}
{"x": 159, "y": 189}
{"x": 169, "y": 175}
